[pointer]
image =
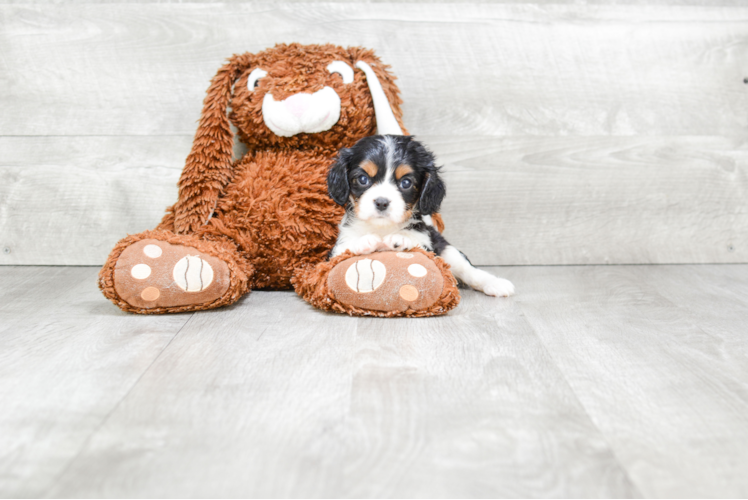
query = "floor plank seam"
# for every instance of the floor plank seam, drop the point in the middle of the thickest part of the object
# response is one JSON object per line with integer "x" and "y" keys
{"x": 106, "y": 418}
{"x": 603, "y": 436}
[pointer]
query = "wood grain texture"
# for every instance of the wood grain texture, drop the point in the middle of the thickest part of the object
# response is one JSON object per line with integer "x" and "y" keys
{"x": 468, "y": 69}
{"x": 67, "y": 358}
{"x": 68, "y": 200}
{"x": 701, "y": 3}
{"x": 604, "y": 132}
{"x": 596, "y": 200}
{"x": 261, "y": 389}
{"x": 471, "y": 406}
{"x": 572, "y": 200}
{"x": 714, "y": 298}
{"x": 657, "y": 357}
{"x": 593, "y": 381}
{"x": 274, "y": 399}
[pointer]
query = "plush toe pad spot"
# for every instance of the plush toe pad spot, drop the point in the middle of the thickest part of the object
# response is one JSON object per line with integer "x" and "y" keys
{"x": 417, "y": 270}
{"x": 365, "y": 275}
{"x": 409, "y": 292}
{"x": 140, "y": 271}
{"x": 150, "y": 294}
{"x": 193, "y": 274}
{"x": 387, "y": 281}
{"x": 151, "y": 273}
{"x": 153, "y": 251}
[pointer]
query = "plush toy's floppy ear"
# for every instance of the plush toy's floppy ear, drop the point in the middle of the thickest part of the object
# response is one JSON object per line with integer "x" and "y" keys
{"x": 207, "y": 170}
{"x": 386, "y": 121}
{"x": 337, "y": 178}
{"x": 383, "y": 89}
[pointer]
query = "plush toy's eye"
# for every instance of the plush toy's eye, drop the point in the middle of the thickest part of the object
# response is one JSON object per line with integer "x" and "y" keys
{"x": 406, "y": 183}
{"x": 362, "y": 180}
{"x": 342, "y": 69}
{"x": 254, "y": 78}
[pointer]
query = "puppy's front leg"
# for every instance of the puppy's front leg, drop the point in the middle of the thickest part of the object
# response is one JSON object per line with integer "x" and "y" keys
{"x": 363, "y": 245}
{"x": 399, "y": 242}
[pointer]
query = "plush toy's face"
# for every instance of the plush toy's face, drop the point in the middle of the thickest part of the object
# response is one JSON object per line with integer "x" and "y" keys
{"x": 307, "y": 96}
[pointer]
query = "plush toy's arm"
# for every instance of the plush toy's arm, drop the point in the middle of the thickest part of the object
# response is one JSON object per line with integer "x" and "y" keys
{"x": 198, "y": 195}
{"x": 208, "y": 168}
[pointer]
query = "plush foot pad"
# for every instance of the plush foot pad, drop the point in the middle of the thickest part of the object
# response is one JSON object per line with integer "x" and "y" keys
{"x": 387, "y": 281}
{"x": 151, "y": 274}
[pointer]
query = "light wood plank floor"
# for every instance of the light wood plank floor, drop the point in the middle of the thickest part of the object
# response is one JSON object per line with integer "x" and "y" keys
{"x": 620, "y": 381}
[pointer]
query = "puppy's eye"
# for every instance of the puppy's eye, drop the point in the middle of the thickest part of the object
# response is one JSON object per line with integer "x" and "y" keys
{"x": 406, "y": 184}
{"x": 362, "y": 180}
{"x": 254, "y": 78}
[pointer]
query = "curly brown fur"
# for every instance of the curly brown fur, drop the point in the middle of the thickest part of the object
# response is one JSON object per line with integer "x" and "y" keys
{"x": 279, "y": 227}
{"x": 292, "y": 69}
{"x": 267, "y": 214}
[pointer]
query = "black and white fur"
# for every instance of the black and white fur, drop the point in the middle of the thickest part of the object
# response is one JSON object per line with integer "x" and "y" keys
{"x": 390, "y": 186}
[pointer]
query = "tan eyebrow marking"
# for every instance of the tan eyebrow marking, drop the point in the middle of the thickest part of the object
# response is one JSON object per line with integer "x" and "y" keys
{"x": 403, "y": 170}
{"x": 369, "y": 167}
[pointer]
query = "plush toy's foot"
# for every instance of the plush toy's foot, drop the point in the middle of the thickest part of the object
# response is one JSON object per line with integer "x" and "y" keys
{"x": 150, "y": 275}
{"x": 413, "y": 283}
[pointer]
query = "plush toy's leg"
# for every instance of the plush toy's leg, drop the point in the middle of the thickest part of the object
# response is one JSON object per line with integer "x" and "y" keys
{"x": 386, "y": 284}
{"x": 159, "y": 272}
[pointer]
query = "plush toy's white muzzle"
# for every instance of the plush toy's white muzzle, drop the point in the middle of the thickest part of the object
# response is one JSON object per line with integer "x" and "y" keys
{"x": 314, "y": 113}
{"x": 310, "y": 113}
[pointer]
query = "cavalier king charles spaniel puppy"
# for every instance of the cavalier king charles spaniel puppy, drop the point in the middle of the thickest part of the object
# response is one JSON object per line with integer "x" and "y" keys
{"x": 390, "y": 187}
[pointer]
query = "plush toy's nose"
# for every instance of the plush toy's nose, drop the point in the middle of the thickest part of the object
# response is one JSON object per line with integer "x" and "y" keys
{"x": 297, "y": 104}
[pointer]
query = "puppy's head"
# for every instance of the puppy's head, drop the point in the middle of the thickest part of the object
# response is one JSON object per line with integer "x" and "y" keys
{"x": 386, "y": 179}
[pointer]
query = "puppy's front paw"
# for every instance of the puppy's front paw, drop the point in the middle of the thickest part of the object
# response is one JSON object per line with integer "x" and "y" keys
{"x": 398, "y": 242}
{"x": 498, "y": 287}
{"x": 366, "y": 244}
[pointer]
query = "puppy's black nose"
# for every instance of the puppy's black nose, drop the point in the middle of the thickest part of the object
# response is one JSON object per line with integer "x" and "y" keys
{"x": 382, "y": 204}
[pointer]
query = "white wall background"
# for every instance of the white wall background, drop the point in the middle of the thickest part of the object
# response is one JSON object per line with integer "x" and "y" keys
{"x": 572, "y": 132}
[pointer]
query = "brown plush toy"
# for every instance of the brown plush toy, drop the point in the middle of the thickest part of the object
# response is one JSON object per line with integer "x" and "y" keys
{"x": 265, "y": 221}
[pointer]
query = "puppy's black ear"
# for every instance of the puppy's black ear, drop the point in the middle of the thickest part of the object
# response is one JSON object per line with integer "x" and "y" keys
{"x": 432, "y": 194}
{"x": 337, "y": 178}
{"x": 433, "y": 190}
